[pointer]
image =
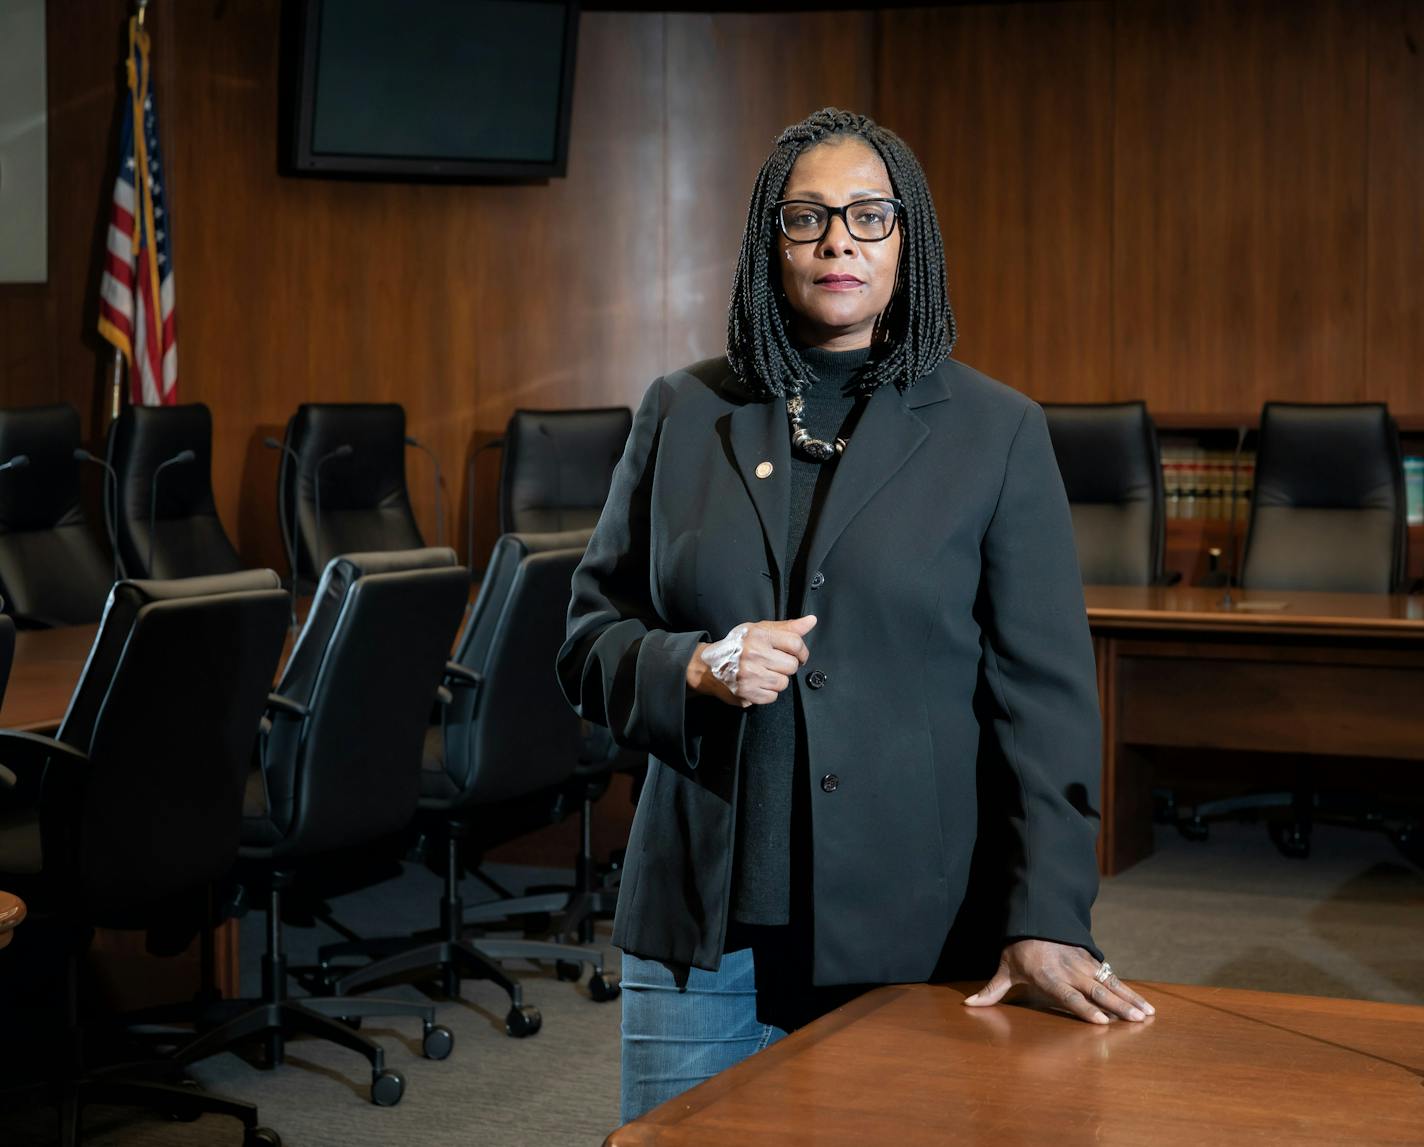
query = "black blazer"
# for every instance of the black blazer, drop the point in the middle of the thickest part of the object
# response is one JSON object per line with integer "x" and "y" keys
{"x": 951, "y": 690}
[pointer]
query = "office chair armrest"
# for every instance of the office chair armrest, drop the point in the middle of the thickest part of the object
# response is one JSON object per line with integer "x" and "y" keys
{"x": 275, "y": 701}
{"x": 462, "y": 676}
{"x": 30, "y": 749}
{"x": 25, "y": 756}
{"x": 457, "y": 676}
{"x": 1171, "y": 577}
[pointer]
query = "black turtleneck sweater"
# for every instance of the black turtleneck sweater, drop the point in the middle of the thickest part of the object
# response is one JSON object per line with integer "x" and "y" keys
{"x": 771, "y": 839}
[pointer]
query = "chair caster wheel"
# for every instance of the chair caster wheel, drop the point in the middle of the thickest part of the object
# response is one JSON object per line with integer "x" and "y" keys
{"x": 387, "y": 1087}
{"x": 261, "y": 1137}
{"x": 1197, "y": 830}
{"x": 523, "y": 1021}
{"x": 186, "y": 1115}
{"x": 602, "y": 989}
{"x": 438, "y": 1043}
{"x": 567, "y": 970}
{"x": 1291, "y": 841}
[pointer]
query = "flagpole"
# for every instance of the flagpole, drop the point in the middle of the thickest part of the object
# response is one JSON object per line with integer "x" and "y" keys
{"x": 117, "y": 385}
{"x": 117, "y": 373}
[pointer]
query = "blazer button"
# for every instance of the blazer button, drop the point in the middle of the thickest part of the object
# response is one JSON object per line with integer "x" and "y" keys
{"x": 818, "y": 579}
{"x": 830, "y": 782}
{"x": 815, "y": 679}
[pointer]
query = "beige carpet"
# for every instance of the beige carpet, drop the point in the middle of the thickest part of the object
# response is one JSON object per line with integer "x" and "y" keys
{"x": 1230, "y": 911}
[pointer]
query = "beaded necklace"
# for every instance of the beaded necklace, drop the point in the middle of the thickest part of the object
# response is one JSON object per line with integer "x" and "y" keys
{"x": 816, "y": 449}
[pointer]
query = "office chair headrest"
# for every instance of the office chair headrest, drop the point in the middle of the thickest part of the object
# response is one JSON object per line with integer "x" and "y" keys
{"x": 147, "y": 436}
{"x": 337, "y": 580}
{"x": 558, "y": 465}
{"x": 1328, "y": 456}
{"x": 374, "y": 473}
{"x": 126, "y": 599}
{"x": 353, "y": 566}
{"x": 46, "y": 492}
{"x": 505, "y": 557}
{"x": 1104, "y": 450}
{"x": 170, "y": 589}
{"x": 530, "y": 543}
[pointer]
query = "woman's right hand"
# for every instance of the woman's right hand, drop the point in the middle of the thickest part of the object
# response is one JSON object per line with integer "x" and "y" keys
{"x": 753, "y": 663}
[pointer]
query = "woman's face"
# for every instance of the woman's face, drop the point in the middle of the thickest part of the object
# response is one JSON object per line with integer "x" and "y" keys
{"x": 838, "y": 286}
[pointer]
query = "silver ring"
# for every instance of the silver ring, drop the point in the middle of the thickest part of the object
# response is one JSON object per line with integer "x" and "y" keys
{"x": 1103, "y": 974}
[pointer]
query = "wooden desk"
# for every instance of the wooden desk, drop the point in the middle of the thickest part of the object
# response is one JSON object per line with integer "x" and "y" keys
{"x": 46, "y": 669}
{"x": 12, "y": 915}
{"x": 910, "y": 1066}
{"x": 1331, "y": 674}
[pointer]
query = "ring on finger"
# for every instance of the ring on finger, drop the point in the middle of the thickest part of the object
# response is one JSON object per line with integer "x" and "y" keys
{"x": 1104, "y": 973}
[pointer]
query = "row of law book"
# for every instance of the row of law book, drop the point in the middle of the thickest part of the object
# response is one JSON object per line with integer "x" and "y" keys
{"x": 1197, "y": 482}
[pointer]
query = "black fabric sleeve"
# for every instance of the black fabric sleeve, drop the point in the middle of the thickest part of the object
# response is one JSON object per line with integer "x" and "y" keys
{"x": 1042, "y": 681}
{"x": 620, "y": 666}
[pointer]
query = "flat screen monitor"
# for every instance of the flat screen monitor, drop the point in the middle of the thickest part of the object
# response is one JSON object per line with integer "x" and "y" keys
{"x": 431, "y": 89}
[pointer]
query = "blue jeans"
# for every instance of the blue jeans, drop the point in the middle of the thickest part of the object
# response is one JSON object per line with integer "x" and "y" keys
{"x": 674, "y": 1038}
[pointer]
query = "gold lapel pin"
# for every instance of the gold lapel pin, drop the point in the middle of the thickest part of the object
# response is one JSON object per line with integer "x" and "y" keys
{"x": 764, "y": 469}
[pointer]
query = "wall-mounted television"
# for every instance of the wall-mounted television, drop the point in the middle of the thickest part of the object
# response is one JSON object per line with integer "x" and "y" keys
{"x": 429, "y": 89}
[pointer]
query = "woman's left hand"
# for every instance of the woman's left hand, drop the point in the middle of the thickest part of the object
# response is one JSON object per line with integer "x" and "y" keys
{"x": 1066, "y": 975}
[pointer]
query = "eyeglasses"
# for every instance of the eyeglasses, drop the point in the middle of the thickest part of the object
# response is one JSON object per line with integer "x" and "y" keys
{"x": 868, "y": 220}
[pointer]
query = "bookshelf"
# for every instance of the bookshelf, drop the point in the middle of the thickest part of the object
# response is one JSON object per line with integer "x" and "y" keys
{"x": 1197, "y": 451}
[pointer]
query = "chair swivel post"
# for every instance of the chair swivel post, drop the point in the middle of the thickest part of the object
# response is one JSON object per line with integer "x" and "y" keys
{"x": 452, "y": 911}
{"x": 274, "y": 970}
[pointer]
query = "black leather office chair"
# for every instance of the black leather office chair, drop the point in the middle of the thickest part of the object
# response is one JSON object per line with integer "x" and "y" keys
{"x": 506, "y": 735}
{"x": 7, "y": 650}
{"x": 558, "y": 465}
{"x": 158, "y": 484}
{"x": 136, "y": 804}
{"x": 1112, "y": 471}
{"x": 1328, "y": 514}
{"x": 556, "y": 470}
{"x": 346, "y": 489}
{"x": 1328, "y": 510}
{"x": 340, "y": 768}
{"x": 53, "y": 568}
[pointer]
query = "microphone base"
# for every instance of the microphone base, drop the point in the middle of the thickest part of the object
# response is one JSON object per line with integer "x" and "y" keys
{"x": 1255, "y": 605}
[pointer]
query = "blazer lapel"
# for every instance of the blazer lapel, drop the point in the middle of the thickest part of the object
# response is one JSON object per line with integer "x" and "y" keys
{"x": 888, "y": 434}
{"x": 759, "y": 436}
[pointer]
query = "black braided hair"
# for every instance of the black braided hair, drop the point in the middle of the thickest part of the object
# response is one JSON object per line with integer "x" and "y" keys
{"x": 914, "y": 333}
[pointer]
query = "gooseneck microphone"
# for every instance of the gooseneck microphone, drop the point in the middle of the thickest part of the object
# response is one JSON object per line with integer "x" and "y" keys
{"x": 342, "y": 451}
{"x": 439, "y": 484}
{"x": 288, "y": 538}
{"x": 179, "y": 459}
{"x": 1226, "y": 601}
{"x": 18, "y": 462}
{"x": 111, "y": 508}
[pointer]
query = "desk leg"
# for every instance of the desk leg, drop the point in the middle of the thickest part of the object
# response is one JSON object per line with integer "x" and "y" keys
{"x": 1126, "y": 833}
{"x": 226, "y": 953}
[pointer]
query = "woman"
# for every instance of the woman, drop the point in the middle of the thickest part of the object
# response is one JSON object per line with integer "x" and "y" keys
{"x": 833, "y": 594}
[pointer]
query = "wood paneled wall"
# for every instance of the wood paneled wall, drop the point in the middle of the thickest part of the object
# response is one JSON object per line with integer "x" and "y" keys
{"x": 1207, "y": 203}
{"x": 1239, "y": 201}
{"x": 1009, "y": 109}
{"x": 49, "y": 350}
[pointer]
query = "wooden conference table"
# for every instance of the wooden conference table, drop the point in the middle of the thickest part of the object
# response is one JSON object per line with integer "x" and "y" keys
{"x": 910, "y": 1066}
{"x": 1284, "y": 672}
{"x": 45, "y": 670}
{"x": 1335, "y": 674}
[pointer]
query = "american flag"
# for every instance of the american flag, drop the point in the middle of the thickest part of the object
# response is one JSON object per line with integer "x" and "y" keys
{"x": 136, "y": 310}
